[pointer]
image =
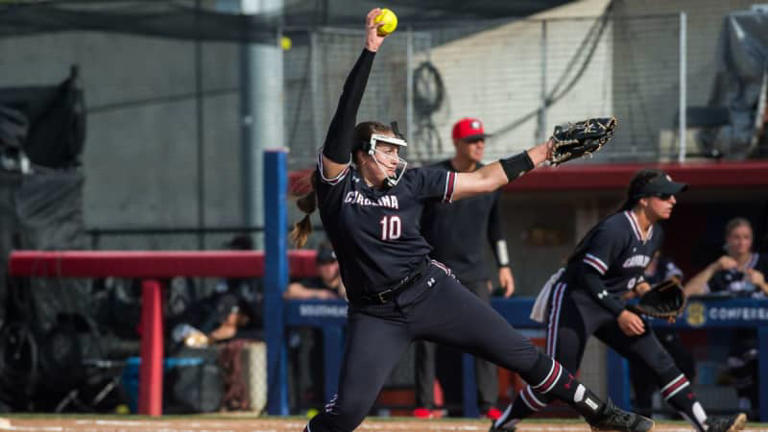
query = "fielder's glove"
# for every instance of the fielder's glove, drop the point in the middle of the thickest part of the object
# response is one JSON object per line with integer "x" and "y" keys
{"x": 574, "y": 140}
{"x": 664, "y": 300}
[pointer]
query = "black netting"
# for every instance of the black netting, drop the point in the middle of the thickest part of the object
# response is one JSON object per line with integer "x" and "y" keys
{"x": 172, "y": 19}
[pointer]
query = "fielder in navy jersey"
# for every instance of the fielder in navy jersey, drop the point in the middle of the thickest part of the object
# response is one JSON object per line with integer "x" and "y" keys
{"x": 585, "y": 298}
{"x": 396, "y": 293}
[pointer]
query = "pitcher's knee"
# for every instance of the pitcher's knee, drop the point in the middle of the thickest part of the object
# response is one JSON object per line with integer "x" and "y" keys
{"x": 521, "y": 358}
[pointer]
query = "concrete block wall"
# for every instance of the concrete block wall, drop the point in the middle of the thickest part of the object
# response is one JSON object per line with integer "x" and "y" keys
{"x": 140, "y": 156}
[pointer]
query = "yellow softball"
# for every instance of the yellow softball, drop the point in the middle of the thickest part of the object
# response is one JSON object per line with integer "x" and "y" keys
{"x": 389, "y": 19}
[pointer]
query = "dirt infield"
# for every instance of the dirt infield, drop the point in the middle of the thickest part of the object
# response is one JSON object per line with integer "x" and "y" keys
{"x": 198, "y": 424}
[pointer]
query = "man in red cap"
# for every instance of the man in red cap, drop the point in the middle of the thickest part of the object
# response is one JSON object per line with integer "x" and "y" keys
{"x": 464, "y": 253}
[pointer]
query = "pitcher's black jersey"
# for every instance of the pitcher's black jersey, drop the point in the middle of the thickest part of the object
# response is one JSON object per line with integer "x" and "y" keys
{"x": 460, "y": 232}
{"x": 615, "y": 248}
{"x": 376, "y": 232}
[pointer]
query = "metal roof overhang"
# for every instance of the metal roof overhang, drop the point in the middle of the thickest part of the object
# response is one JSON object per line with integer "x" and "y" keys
{"x": 584, "y": 177}
{"x": 725, "y": 174}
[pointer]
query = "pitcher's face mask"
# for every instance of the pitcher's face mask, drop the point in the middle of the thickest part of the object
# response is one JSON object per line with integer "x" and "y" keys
{"x": 385, "y": 151}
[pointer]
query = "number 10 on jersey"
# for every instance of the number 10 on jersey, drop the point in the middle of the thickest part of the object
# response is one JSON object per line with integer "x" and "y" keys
{"x": 391, "y": 227}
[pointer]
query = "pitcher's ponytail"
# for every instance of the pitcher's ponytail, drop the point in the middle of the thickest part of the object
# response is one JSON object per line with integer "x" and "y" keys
{"x": 303, "y": 228}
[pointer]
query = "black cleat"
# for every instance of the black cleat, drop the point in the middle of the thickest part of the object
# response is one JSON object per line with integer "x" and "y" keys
{"x": 613, "y": 418}
{"x": 726, "y": 424}
{"x": 501, "y": 429}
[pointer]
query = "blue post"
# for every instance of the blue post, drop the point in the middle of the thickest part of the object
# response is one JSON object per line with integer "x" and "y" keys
{"x": 762, "y": 349}
{"x": 469, "y": 388}
{"x": 618, "y": 380}
{"x": 275, "y": 276}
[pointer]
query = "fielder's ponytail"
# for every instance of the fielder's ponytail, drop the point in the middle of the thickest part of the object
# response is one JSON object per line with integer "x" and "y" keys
{"x": 303, "y": 228}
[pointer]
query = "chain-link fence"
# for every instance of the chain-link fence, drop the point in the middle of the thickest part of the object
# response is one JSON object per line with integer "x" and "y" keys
{"x": 165, "y": 123}
{"x": 520, "y": 77}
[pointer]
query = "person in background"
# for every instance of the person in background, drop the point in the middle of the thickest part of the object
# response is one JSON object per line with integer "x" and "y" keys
{"x": 326, "y": 285}
{"x": 740, "y": 272}
{"x": 232, "y": 311}
{"x": 463, "y": 251}
{"x": 305, "y": 343}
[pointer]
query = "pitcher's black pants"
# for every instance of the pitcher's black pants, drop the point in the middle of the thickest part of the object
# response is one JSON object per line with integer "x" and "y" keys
{"x": 485, "y": 372}
{"x": 436, "y": 308}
